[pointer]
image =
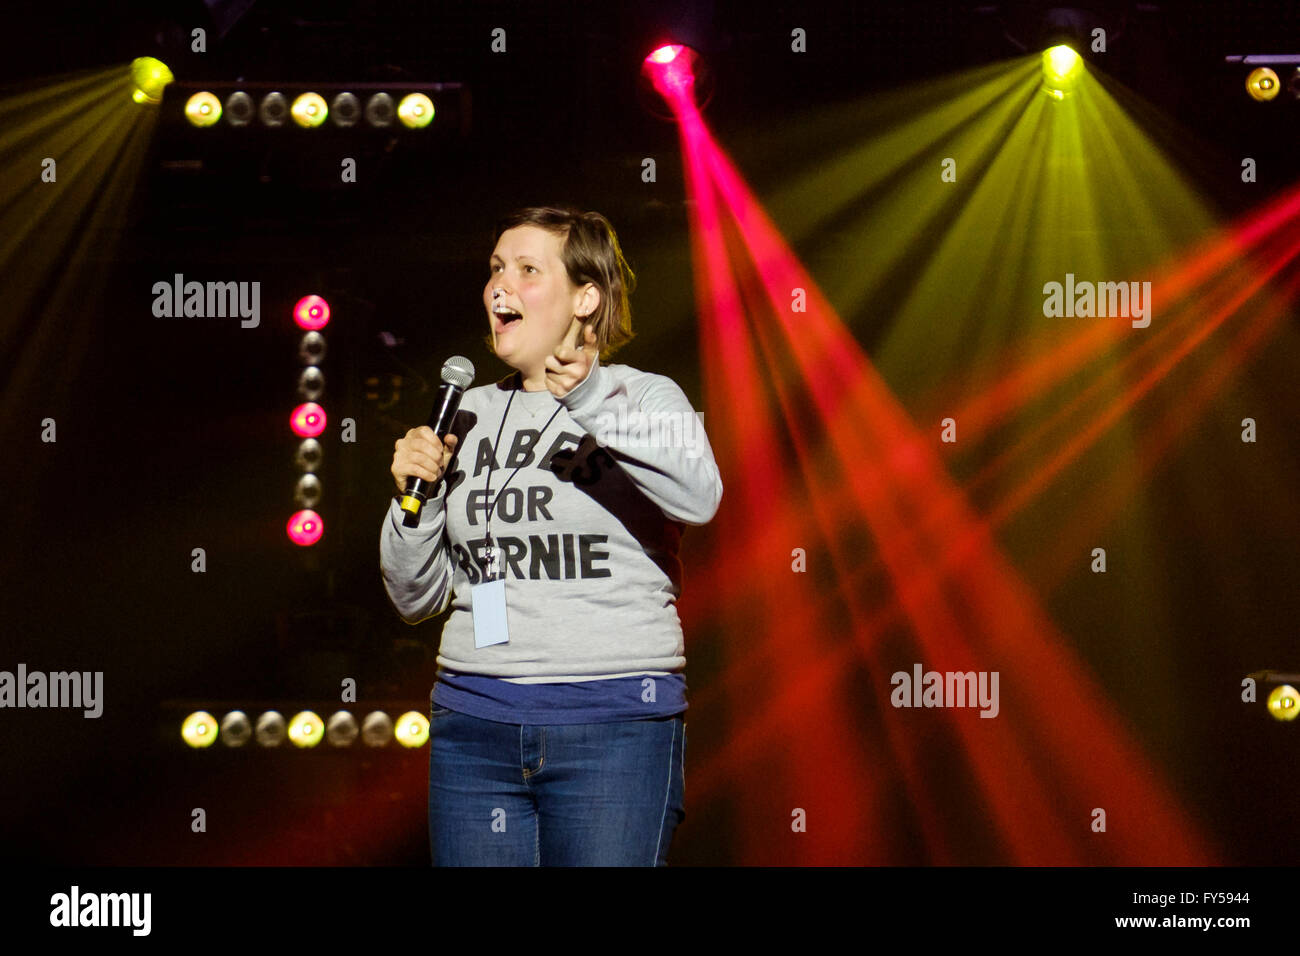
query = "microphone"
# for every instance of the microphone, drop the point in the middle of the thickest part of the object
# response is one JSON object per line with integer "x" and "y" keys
{"x": 457, "y": 374}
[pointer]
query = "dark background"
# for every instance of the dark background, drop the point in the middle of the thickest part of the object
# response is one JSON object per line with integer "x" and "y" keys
{"x": 171, "y": 433}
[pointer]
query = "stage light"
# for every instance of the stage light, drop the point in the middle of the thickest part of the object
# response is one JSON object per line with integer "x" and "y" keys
{"x": 306, "y": 729}
{"x": 671, "y": 69}
{"x": 1293, "y": 84}
{"x": 1062, "y": 67}
{"x": 309, "y": 110}
{"x": 305, "y": 528}
{"x": 199, "y": 729}
{"x": 345, "y": 110}
{"x": 379, "y": 110}
{"x": 311, "y": 350}
{"x": 341, "y": 729}
{"x": 674, "y": 81}
{"x": 376, "y": 729}
{"x": 274, "y": 110}
{"x": 412, "y": 729}
{"x": 1262, "y": 84}
{"x": 306, "y": 494}
{"x": 239, "y": 109}
{"x": 307, "y": 420}
{"x": 270, "y": 729}
{"x": 311, "y": 383}
{"x": 311, "y": 312}
{"x": 235, "y": 729}
{"x": 203, "y": 109}
{"x": 309, "y": 455}
{"x": 415, "y": 111}
{"x": 665, "y": 54}
{"x": 1284, "y": 702}
{"x": 150, "y": 77}
{"x": 1062, "y": 59}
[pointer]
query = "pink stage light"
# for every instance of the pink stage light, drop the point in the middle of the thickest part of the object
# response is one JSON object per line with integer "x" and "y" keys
{"x": 311, "y": 313}
{"x": 671, "y": 69}
{"x": 307, "y": 420}
{"x": 305, "y": 528}
{"x": 665, "y": 54}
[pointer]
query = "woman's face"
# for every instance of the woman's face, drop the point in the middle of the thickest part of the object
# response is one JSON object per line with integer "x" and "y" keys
{"x": 528, "y": 276}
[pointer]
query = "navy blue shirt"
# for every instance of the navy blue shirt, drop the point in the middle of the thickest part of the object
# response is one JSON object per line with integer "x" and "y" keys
{"x": 580, "y": 702}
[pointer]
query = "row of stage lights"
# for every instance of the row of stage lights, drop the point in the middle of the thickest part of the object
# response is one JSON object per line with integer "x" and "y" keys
{"x": 305, "y": 729}
{"x": 307, "y": 421}
{"x": 150, "y": 77}
{"x": 309, "y": 110}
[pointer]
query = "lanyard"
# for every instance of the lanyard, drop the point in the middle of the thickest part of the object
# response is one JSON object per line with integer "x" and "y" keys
{"x": 492, "y": 464}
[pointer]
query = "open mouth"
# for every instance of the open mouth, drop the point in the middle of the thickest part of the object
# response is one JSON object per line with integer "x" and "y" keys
{"x": 506, "y": 317}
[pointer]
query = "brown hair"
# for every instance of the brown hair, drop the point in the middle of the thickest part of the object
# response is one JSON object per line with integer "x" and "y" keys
{"x": 590, "y": 253}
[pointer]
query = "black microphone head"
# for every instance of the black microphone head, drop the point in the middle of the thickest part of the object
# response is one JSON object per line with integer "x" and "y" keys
{"x": 458, "y": 371}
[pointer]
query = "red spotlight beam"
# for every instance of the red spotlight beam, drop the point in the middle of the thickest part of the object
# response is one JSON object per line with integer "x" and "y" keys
{"x": 756, "y": 450}
{"x": 868, "y": 625}
{"x": 1179, "y": 280}
{"x": 890, "y": 490}
{"x": 1093, "y": 514}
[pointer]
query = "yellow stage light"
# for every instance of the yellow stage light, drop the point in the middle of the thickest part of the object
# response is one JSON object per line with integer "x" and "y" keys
{"x": 1263, "y": 84}
{"x": 306, "y": 729}
{"x": 415, "y": 111}
{"x": 412, "y": 729}
{"x": 1284, "y": 702}
{"x": 203, "y": 109}
{"x": 1062, "y": 68}
{"x": 150, "y": 77}
{"x": 309, "y": 110}
{"x": 199, "y": 729}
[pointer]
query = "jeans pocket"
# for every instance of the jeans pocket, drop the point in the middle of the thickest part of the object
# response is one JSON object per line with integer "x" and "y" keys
{"x": 439, "y": 712}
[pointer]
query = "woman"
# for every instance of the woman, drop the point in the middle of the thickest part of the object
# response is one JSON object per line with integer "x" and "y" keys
{"x": 557, "y": 735}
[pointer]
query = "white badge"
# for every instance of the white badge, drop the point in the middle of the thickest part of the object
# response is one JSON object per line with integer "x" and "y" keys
{"x": 488, "y": 600}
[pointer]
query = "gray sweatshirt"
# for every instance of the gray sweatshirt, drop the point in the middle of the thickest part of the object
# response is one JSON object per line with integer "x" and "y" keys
{"x": 589, "y": 525}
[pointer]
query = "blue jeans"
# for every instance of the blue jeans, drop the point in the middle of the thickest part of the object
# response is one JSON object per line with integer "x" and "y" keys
{"x": 554, "y": 794}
